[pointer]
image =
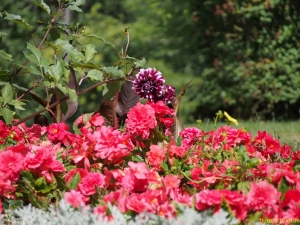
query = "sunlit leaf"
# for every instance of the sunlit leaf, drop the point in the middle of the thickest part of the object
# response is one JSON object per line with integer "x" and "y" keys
{"x": 7, "y": 114}
{"x": 4, "y": 55}
{"x": 95, "y": 75}
{"x": 90, "y": 51}
{"x": 114, "y": 72}
{"x": 16, "y": 19}
{"x": 7, "y": 93}
{"x": 42, "y": 4}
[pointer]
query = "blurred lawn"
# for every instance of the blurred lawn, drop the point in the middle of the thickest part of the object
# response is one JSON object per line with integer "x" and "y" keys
{"x": 285, "y": 132}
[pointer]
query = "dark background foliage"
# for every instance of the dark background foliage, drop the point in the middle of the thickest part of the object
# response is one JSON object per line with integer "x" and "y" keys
{"x": 242, "y": 55}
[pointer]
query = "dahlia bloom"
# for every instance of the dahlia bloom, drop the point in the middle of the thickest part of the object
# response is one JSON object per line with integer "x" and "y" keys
{"x": 149, "y": 84}
{"x": 141, "y": 120}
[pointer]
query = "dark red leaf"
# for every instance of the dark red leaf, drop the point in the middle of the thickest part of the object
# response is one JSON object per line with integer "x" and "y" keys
{"x": 108, "y": 111}
{"x": 127, "y": 99}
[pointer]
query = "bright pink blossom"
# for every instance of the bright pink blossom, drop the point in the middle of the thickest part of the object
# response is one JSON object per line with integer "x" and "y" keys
{"x": 57, "y": 131}
{"x": 136, "y": 203}
{"x": 111, "y": 146}
{"x": 141, "y": 120}
{"x": 262, "y": 195}
{"x": 156, "y": 156}
{"x": 89, "y": 183}
{"x": 43, "y": 162}
{"x": 208, "y": 198}
{"x": 75, "y": 198}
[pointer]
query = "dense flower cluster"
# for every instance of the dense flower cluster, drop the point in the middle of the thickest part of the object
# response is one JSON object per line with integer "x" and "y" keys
{"x": 150, "y": 84}
{"x": 144, "y": 168}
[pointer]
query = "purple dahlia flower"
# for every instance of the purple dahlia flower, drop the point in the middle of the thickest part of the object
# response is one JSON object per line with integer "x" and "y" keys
{"x": 169, "y": 94}
{"x": 149, "y": 84}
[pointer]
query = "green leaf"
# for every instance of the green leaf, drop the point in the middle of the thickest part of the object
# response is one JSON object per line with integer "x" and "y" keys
{"x": 42, "y": 4}
{"x": 18, "y": 104}
{"x": 110, "y": 89}
{"x": 114, "y": 71}
{"x": 73, "y": 5}
{"x": 41, "y": 185}
{"x": 30, "y": 57}
{"x": 14, "y": 204}
{"x": 7, "y": 93}
{"x": 4, "y": 75}
{"x": 36, "y": 52}
{"x": 69, "y": 49}
{"x": 34, "y": 70}
{"x": 74, "y": 181}
{"x": 105, "y": 41}
{"x": 90, "y": 51}
{"x": 95, "y": 74}
{"x": 7, "y": 114}
{"x": 244, "y": 186}
{"x": 140, "y": 63}
{"x": 85, "y": 65}
{"x": 283, "y": 186}
{"x": 4, "y": 55}
{"x": 137, "y": 158}
{"x": 16, "y": 19}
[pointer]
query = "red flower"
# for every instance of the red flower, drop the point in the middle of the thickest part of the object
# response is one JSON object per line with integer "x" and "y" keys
{"x": 111, "y": 146}
{"x": 262, "y": 195}
{"x": 156, "y": 156}
{"x": 171, "y": 181}
{"x": 75, "y": 198}
{"x": 236, "y": 202}
{"x": 136, "y": 202}
{"x": 141, "y": 120}
{"x": 89, "y": 183}
{"x": 43, "y": 162}
{"x": 161, "y": 110}
{"x": 97, "y": 120}
{"x": 166, "y": 210}
{"x": 208, "y": 198}
{"x": 57, "y": 131}
{"x": 11, "y": 164}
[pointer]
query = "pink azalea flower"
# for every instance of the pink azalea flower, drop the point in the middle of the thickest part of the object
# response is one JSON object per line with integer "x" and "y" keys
{"x": 89, "y": 183}
{"x": 171, "y": 181}
{"x": 97, "y": 120}
{"x": 11, "y": 164}
{"x": 43, "y": 162}
{"x": 141, "y": 120}
{"x": 75, "y": 198}
{"x": 208, "y": 198}
{"x": 262, "y": 195}
{"x": 137, "y": 203}
{"x": 139, "y": 169}
{"x": 166, "y": 210}
{"x": 57, "y": 131}
{"x": 111, "y": 145}
{"x": 156, "y": 156}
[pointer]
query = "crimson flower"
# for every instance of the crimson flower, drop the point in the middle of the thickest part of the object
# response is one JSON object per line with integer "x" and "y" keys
{"x": 262, "y": 195}
{"x": 141, "y": 120}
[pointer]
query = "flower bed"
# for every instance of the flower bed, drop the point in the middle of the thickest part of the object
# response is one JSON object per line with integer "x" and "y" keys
{"x": 142, "y": 168}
